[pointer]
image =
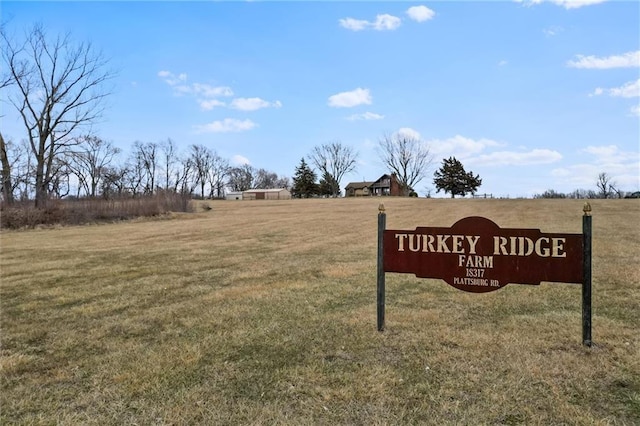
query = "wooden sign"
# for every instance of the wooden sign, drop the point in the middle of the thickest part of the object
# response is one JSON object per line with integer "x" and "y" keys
{"x": 477, "y": 256}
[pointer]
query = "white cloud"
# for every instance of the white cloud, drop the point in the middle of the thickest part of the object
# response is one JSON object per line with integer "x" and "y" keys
{"x": 350, "y": 99}
{"x": 502, "y": 63}
{"x": 225, "y": 126}
{"x": 635, "y": 110}
{"x": 575, "y": 4}
{"x": 239, "y": 160}
{"x": 626, "y": 60}
{"x": 608, "y": 154}
{"x": 182, "y": 89}
{"x": 623, "y": 167}
{"x": 552, "y": 31}
{"x": 365, "y": 116}
{"x": 577, "y": 176}
{"x": 567, "y": 4}
{"x": 420, "y": 13}
{"x": 384, "y": 22}
{"x": 460, "y": 146}
{"x": 209, "y": 91}
{"x": 603, "y": 151}
{"x": 471, "y": 152}
{"x": 252, "y": 104}
{"x": 516, "y": 158}
{"x": 354, "y": 24}
{"x": 209, "y": 104}
{"x": 172, "y": 79}
{"x": 208, "y": 95}
{"x": 599, "y": 91}
{"x": 627, "y": 90}
{"x": 408, "y": 132}
{"x": 205, "y": 94}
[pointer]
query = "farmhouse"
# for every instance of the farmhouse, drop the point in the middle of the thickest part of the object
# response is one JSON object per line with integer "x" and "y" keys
{"x": 357, "y": 189}
{"x": 385, "y": 185}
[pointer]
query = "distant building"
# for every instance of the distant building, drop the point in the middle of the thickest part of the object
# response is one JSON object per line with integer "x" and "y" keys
{"x": 386, "y": 185}
{"x": 357, "y": 189}
{"x": 267, "y": 194}
{"x": 233, "y": 195}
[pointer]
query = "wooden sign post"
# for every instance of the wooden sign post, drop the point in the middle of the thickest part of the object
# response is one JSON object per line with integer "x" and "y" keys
{"x": 477, "y": 256}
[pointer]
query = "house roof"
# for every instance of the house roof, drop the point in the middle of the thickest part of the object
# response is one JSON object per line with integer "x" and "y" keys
{"x": 267, "y": 190}
{"x": 382, "y": 178}
{"x": 358, "y": 185}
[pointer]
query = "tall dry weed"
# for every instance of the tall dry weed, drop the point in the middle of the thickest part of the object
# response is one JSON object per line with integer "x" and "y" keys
{"x": 91, "y": 210}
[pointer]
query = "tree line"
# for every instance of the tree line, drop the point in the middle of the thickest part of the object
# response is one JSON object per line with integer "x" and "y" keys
{"x": 606, "y": 187}
{"x": 406, "y": 157}
{"x": 89, "y": 166}
{"x": 58, "y": 88}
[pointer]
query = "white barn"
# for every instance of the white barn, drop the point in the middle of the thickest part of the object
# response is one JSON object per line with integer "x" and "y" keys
{"x": 233, "y": 195}
{"x": 267, "y": 194}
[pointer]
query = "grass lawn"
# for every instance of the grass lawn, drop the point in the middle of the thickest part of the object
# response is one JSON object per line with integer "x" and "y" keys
{"x": 264, "y": 312}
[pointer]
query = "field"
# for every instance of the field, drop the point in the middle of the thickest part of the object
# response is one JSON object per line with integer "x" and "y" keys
{"x": 264, "y": 312}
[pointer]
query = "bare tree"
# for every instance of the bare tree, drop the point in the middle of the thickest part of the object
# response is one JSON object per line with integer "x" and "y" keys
{"x": 60, "y": 180}
{"x": 265, "y": 179}
{"x": 23, "y": 170}
{"x": 59, "y": 87}
{"x": 619, "y": 193}
{"x": 407, "y": 157}
{"x": 606, "y": 188}
{"x": 334, "y": 160}
{"x": 201, "y": 161}
{"x": 145, "y": 161}
{"x": 6, "y": 80}
{"x": 114, "y": 181}
{"x": 7, "y": 181}
{"x": 241, "y": 178}
{"x": 282, "y": 182}
{"x": 183, "y": 175}
{"x": 134, "y": 176}
{"x": 169, "y": 162}
{"x": 89, "y": 160}
{"x": 218, "y": 170}
{"x": 149, "y": 153}
{"x": 16, "y": 170}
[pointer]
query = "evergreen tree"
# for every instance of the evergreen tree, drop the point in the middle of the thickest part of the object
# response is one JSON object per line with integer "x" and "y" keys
{"x": 304, "y": 181}
{"x": 329, "y": 186}
{"x": 452, "y": 178}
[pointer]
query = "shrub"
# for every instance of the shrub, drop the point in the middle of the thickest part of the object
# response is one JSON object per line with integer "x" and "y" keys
{"x": 76, "y": 212}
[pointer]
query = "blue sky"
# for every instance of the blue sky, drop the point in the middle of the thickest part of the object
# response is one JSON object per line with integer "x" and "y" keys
{"x": 531, "y": 95}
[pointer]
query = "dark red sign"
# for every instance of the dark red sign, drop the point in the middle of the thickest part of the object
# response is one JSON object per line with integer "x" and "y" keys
{"x": 477, "y": 256}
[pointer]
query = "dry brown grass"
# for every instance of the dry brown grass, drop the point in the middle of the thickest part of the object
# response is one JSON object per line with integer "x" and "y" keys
{"x": 22, "y": 215}
{"x": 264, "y": 313}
